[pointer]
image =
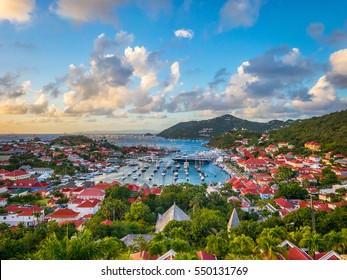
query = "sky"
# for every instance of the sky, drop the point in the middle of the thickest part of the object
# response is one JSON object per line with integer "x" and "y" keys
{"x": 69, "y": 66}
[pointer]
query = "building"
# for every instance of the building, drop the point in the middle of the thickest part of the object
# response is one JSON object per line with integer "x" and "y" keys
{"x": 173, "y": 213}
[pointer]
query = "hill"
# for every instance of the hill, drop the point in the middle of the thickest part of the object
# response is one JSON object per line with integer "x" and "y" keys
{"x": 207, "y": 129}
{"x": 329, "y": 130}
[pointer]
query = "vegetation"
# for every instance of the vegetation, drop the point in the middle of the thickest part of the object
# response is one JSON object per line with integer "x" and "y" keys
{"x": 207, "y": 230}
{"x": 209, "y": 128}
{"x": 329, "y": 130}
{"x": 231, "y": 138}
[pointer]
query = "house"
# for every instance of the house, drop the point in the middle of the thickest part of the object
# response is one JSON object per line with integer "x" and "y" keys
{"x": 173, "y": 213}
{"x": 315, "y": 146}
{"x": 3, "y": 201}
{"x": 92, "y": 193}
{"x": 285, "y": 204}
{"x": 88, "y": 207}
{"x": 26, "y": 215}
{"x": 2, "y": 173}
{"x": 266, "y": 192}
{"x": 15, "y": 175}
{"x": 64, "y": 214}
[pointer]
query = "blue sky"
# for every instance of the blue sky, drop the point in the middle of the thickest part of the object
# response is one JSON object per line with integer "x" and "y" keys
{"x": 108, "y": 65}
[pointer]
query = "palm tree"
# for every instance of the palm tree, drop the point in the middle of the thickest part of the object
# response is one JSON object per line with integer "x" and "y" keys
{"x": 333, "y": 240}
{"x": 312, "y": 240}
{"x": 78, "y": 247}
{"x": 267, "y": 247}
{"x": 216, "y": 245}
{"x": 242, "y": 245}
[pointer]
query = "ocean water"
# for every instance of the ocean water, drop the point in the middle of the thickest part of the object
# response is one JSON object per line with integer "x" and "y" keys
{"x": 213, "y": 173}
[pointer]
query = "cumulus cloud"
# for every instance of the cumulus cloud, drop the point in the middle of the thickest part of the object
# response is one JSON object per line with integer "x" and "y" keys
{"x": 336, "y": 37}
{"x": 10, "y": 87}
{"x": 239, "y": 13}
{"x": 14, "y": 107}
{"x": 18, "y": 11}
{"x": 139, "y": 59}
{"x": 174, "y": 78}
{"x": 184, "y": 33}
{"x": 338, "y": 73}
{"x": 40, "y": 105}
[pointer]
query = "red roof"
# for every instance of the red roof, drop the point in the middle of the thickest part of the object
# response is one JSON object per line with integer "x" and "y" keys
{"x": 76, "y": 222}
{"x": 281, "y": 202}
{"x": 296, "y": 254}
{"x": 64, "y": 213}
{"x": 16, "y": 173}
{"x": 133, "y": 187}
{"x": 89, "y": 203}
{"x": 91, "y": 192}
{"x": 205, "y": 256}
{"x": 3, "y": 171}
{"x": 23, "y": 184}
{"x": 106, "y": 222}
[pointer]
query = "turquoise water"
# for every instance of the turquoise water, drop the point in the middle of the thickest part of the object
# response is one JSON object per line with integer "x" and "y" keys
{"x": 213, "y": 173}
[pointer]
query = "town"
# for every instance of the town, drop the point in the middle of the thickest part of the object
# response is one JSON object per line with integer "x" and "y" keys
{"x": 297, "y": 203}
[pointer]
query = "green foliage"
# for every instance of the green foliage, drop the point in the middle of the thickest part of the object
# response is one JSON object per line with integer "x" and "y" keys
{"x": 329, "y": 130}
{"x": 216, "y": 126}
{"x": 291, "y": 190}
{"x": 229, "y": 139}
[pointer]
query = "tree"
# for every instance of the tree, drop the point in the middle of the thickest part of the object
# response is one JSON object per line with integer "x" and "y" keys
{"x": 329, "y": 177}
{"x": 267, "y": 246}
{"x": 114, "y": 209}
{"x": 312, "y": 240}
{"x": 217, "y": 245}
{"x": 242, "y": 246}
{"x": 291, "y": 190}
{"x": 284, "y": 174}
{"x": 79, "y": 247}
{"x": 141, "y": 213}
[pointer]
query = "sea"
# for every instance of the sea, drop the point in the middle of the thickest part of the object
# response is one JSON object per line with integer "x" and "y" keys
{"x": 213, "y": 174}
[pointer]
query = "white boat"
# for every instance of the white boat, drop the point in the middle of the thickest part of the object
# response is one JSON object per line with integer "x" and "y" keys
{"x": 186, "y": 165}
{"x": 135, "y": 177}
{"x": 176, "y": 174}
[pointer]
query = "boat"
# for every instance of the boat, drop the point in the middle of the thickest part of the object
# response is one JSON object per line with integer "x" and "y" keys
{"x": 168, "y": 164}
{"x": 135, "y": 177}
{"x": 186, "y": 165}
{"x": 176, "y": 174}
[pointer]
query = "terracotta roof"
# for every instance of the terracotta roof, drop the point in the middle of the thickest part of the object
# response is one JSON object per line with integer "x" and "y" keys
{"x": 205, "y": 256}
{"x": 64, "y": 213}
{"x": 91, "y": 192}
{"x": 295, "y": 253}
{"x": 106, "y": 222}
{"x": 143, "y": 255}
{"x": 16, "y": 173}
{"x": 76, "y": 222}
{"x": 284, "y": 203}
{"x": 89, "y": 203}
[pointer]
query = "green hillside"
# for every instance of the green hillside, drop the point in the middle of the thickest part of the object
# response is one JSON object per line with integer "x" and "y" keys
{"x": 329, "y": 130}
{"x": 207, "y": 129}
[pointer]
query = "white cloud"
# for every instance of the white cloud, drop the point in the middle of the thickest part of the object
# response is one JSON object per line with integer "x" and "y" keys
{"x": 174, "y": 78}
{"x": 239, "y": 13}
{"x": 138, "y": 59}
{"x": 323, "y": 96}
{"x": 87, "y": 10}
{"x": 184, "y": 33}
{"x": 16, "y": 11}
